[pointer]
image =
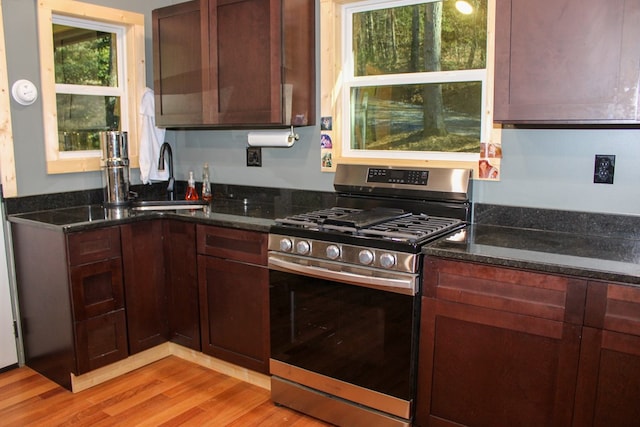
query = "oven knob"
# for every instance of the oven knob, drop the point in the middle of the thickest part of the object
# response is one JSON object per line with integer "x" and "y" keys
{"x": 333, "y": 252}
{"x": 387, "y": 260}
{"x": 303, "y": 247}
{"x": 365, "y": 256}
{"x": 286, "y": 245}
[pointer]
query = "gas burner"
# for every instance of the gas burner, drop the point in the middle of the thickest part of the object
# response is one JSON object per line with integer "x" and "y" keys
{"x": 413, "y": 228}
{"x": 315, "y": 219}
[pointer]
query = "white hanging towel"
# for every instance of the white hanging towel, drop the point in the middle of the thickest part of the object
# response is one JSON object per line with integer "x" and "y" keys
{"x": 151, "y": 138}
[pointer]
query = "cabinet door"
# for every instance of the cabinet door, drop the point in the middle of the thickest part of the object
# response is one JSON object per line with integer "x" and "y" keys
{"x": 144, "y": 284}
{"x": 100, "y": 341}
{"x": 567, "y": 61}
{"x": 234, "y": 310}
{"x": 481, "y": 367}
{"x": 498, "y": 347}
{"x": 244, "y": 61}
{"x": 182, "y": 283}
{"x": 177, "y": 64}
{"x": 609, "y": 376}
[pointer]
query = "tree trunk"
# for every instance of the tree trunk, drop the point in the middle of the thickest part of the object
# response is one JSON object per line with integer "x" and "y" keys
{"x": 394, "y": 41}
{"x": 415, "y": 40}
{"x": 432, "y": 94}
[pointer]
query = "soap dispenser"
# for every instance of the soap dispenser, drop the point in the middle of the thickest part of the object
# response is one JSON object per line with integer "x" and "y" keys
{"x": 206, "y": 184}
{"x": 192, "y": 193}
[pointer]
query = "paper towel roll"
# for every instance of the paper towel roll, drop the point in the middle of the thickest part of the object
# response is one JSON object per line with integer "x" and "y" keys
{"x": 271, "y": 139}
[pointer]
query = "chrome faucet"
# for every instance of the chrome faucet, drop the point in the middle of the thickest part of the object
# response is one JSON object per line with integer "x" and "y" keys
{"x": 171, "y": 195}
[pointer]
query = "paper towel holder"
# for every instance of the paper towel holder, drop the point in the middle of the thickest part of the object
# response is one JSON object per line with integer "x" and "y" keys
{"x": 283, "y": 139}
{"x": 293, "y": 136}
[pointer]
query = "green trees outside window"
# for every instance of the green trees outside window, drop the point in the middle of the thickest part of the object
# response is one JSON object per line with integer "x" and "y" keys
{"x": 418, "y": 76}
{"x": 86, "y": 70}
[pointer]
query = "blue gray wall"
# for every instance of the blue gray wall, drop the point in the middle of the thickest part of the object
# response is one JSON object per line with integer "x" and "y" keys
{"x": 541, "y": 168}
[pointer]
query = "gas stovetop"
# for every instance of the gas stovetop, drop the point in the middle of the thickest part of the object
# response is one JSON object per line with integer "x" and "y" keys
{"x": 382, "y": 218}
{"x": 381, "y": 223}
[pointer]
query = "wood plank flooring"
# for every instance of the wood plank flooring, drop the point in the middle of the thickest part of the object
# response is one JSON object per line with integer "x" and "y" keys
{"x": 169, "y": 392}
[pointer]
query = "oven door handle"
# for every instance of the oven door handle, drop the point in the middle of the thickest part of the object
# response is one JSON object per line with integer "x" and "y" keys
{"x": 402, "y": 284}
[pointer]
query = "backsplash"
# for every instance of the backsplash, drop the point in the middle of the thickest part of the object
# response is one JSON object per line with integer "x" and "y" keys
{"x": 586, "y": 223}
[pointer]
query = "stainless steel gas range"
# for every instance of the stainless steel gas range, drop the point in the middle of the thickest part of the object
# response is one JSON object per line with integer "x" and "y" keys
{"x": 345, "y": 292}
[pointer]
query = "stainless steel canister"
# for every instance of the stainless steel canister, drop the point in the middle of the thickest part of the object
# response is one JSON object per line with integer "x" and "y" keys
{"x": 114, "y": 145}
{"x": 115, "y": 165}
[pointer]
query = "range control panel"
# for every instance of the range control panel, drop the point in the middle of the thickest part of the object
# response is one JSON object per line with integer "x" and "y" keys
{"x": 398, "y": 176}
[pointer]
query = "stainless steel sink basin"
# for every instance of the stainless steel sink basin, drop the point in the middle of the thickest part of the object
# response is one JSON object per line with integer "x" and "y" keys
{"x": 161, "y": 205}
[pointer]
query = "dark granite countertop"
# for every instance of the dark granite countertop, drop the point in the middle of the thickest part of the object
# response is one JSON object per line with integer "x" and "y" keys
{"x": 597, "y": 246}
{"x": 224, "y": 212}
{"x": 590, "y": 256}
{"x": 249, "y": 208}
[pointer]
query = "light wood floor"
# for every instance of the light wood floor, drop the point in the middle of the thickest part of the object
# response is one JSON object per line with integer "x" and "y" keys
{"x": 169, "y": 392}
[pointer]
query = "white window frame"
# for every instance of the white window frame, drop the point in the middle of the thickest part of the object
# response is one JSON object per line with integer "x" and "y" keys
{"x": 337, "y": 79}
{"x": 131, "y": 79}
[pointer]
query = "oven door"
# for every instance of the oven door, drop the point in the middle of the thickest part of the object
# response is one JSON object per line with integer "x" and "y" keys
{"x": 353, "y": 341}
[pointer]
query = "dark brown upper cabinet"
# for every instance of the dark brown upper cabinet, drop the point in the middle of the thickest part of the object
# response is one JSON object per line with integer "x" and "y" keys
{"x": 567, "y": 62}
{"x": 235, "y": 63}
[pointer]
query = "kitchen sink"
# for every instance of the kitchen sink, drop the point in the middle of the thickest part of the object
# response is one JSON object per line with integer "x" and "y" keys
{"x": 160, "y": 205}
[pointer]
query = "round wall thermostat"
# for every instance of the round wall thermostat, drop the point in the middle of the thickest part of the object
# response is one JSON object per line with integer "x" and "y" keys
{"x": 24, "y": 92}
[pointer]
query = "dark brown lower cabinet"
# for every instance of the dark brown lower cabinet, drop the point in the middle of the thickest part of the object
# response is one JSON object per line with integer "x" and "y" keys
{"x": 234, "y": 296}
{"x": 609, "y": 375}
{"x": 146, "y": 303}
{"x": 71, "y": 294}
{"x": 93, "y": 297}
{"x": 498, "y": 347}
{"x": 181, "y": 275}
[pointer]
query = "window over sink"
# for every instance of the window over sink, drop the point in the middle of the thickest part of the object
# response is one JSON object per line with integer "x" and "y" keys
{"x": 93, "y": 77}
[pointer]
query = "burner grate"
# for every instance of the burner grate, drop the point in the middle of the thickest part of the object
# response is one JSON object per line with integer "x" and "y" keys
{"x": 313, "y": 220}
{"x": 413, "y": 228}
{"x": 405, "y": 228}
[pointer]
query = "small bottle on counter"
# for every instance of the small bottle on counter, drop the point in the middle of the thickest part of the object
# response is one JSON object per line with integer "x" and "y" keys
{"x": 206, "y": 184}
{"x": 192, "y": 193}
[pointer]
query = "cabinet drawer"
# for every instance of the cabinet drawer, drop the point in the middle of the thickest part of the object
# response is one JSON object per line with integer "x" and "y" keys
{"x": 538, "y": 295}
{"x": 613, "y": 307}
{"x": 101, "y": 340}
{"x": 96, "y": 245}
{"x": 96, "y": 288}
{"x": 228, "y": 243}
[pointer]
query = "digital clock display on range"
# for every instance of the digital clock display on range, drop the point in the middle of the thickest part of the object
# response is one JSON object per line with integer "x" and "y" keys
{"x": 398, "y": 176}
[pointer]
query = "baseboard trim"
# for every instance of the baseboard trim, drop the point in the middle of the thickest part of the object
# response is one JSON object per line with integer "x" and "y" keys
{"x": 133, "y": 362}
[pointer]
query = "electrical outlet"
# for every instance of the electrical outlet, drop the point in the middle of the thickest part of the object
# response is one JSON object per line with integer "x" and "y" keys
{"x": 254, "y": 156}
{"x": 603, "y": 169}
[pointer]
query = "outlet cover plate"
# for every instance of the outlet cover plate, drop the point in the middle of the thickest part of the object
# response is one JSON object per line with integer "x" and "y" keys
{"x": 254, "y": 156}
{"x": 604, "y": 168}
